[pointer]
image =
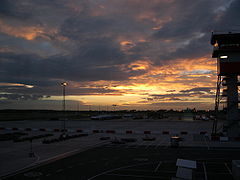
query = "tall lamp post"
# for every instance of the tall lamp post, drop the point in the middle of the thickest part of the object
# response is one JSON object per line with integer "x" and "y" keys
{"x": 64, "y": 84}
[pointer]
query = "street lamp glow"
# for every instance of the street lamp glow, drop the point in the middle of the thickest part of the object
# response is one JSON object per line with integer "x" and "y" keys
{"x": 223, "y": 57}
{"x": 64, "y": 84}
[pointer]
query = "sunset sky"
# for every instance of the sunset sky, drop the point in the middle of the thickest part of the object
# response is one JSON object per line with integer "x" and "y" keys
{"x": 135, "y": 54}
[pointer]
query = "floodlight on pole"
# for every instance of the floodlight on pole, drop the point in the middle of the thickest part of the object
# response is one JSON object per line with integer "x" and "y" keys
{"x": 64, "y": 84}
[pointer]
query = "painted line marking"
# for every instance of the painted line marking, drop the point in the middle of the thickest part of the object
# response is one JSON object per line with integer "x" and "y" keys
{"x": 149, "y": 144}
{"x": 159, "y": 142}
{"x": 144, "y": 143}
{"x": 79, "y": 164}
{"x": 159, "y": 164}
{"x": 162, "y": 171}
{"x": 165, "y": 142}
{"x": 136, "y": 176}
{"x": 137, "y": 144}
{"x": 205, "y": 140}
{"x": 205, "y": 171}
{"x": 137, "y": 170}
{"x": 229, "y": 170}
{"x": 112, "y": 170}
{"x": 59, "y": 170}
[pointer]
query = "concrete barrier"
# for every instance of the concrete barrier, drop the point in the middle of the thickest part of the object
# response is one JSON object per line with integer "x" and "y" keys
{"x": 110, "y": 131}
{"x": 107, "y": 131}
{"x": 237, "y": 138}
{"x": 66, "y": 130}
{"x": 96, "y": 131}
{"x": 129, "y": 132}
{"x": 165, "y": 132}
{"x": 215, "y": 138}
{"x": 147, "y": 132}
{"x": 28, "y": 129}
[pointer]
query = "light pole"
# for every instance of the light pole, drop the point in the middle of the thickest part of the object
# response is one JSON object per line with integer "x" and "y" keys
{"x": 64, "y": 84}
{"x": 114, "y": 107}
{"x": 31, "y": 153}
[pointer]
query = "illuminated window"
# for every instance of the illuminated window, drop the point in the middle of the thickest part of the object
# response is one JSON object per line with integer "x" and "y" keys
{"x": 223, "y": 57}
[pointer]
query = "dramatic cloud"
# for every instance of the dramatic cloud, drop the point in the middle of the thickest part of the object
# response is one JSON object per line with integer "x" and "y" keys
{"x": 203, "y": 89}
{"x": 123, "y": 52}
{"x": 21, "y": 97}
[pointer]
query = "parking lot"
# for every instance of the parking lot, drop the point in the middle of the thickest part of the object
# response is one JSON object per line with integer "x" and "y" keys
{"x": 120, "y": 162}
{"x": 132, "y": 137}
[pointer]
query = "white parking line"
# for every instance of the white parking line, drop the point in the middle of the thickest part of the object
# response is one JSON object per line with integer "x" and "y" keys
{"x": 138, "y": 170}
{"x": 112, "y": 170}
{"x": 205, "y": 171}
{"x": 80, "y": 164}
{"x": 159, "y": 164}
{"x": 158, "y": 144}
{"x": 205, "y": 140}
{"x": 229, "y": 170}
{"x": 149, "y": 144}
{"x": 135, "y": 176}
{"x": 161, "y": 143}
{"x": 59, "y": 170}
{"x": 138, "y": 144}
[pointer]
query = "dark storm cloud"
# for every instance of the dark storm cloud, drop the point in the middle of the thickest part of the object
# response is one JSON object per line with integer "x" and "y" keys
{"x": 194, "y": 92}
{"x": 21, "y": 96}
{"x": 94, "y": 56}
{"x": 189, "y": 18}
{"x": 43, "y": 104}
{"x": 181, "y": 105}
{"x": 200, "y": 89}
{"x": 55, "y": 90}
{"x": 96, "y": 38}
{"x": 31, "y": 66}
{"x": 88, "y": 46}
{"x": 12, "y": 9}
{"x": 172, "y": 95}
{"x": 33, "y": 10}
{"x": 229, "y": 19}
{"x": 194, "y": 23}
{"x": 79, "y": 27}
{"x": 196, "y": 48}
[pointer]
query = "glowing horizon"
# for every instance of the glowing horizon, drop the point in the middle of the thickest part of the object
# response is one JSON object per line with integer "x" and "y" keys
{"x": 131, "y": 53}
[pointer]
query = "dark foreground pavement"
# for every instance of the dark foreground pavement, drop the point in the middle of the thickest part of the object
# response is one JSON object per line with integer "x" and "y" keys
{"x": 120, "y": 162}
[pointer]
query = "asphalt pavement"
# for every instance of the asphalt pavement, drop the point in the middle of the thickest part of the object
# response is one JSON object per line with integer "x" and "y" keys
{"x": 124, "y": 162}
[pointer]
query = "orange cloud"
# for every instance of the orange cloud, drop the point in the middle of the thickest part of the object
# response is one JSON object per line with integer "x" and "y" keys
{"x": 126, "y": 45}
{"x": 174, "y": 77}
{"x": 30, "y": 32}
{"x": 140, "y": 65}
{"x": 26, "y": 32}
